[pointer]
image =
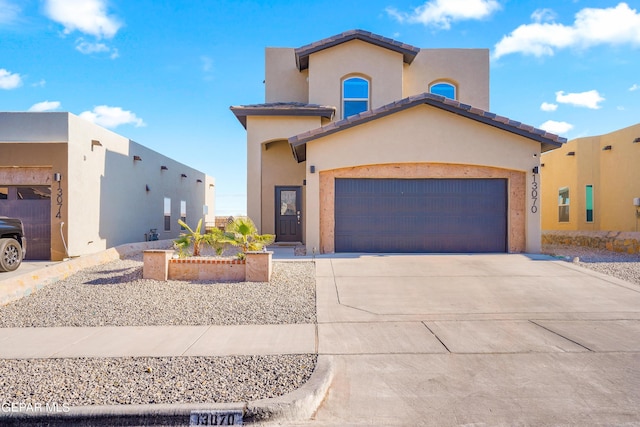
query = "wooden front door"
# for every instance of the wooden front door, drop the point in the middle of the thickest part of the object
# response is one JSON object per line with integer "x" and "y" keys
{"x": 288, "y": 214}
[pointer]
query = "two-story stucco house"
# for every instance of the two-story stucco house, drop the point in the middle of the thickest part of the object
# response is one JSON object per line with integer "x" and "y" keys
{"x": 366, "y": 144}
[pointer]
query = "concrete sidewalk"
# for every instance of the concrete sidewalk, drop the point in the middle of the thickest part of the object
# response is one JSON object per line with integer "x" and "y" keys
{"x": 156, "y": 341}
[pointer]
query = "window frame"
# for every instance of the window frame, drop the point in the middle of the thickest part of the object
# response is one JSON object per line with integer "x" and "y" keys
{"x": 167, "y": 214}
{"x": 564, "y": 204}
{"x": 183, "y": 213}
{"x": 344, "y": 99}
{"x": 588, "y": 211}
{"x": 444, "y": 82}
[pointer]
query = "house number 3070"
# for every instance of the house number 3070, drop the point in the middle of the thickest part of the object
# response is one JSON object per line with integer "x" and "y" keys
{"x": 534, "y": 194}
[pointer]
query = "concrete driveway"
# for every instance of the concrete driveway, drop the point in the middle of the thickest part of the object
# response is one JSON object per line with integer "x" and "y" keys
{"x": 448, "y": 340}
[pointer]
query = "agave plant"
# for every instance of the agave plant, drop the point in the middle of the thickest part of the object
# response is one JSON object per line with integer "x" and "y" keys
{"x": 193, "y": 237}
{"x": 242, "y": 232}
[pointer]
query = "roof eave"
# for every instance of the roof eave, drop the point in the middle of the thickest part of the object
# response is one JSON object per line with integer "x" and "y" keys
{"x": 548, "y": 142}
{"x": 302, "y": 53}
{"x": 242, "y": 112}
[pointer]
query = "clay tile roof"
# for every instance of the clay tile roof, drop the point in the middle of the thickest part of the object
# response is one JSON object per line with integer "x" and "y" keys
{"x": 281, "y": 109}
{"x": 302, "y": 53}
{"x": 548, "y": 140}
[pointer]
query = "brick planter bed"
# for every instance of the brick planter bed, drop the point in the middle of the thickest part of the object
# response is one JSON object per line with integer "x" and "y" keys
{"x": 160, "y": 265}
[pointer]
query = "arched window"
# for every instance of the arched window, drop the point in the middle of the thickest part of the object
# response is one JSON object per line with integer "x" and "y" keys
{"x": 355, "y": 96}
{"x": 443, "y": 89}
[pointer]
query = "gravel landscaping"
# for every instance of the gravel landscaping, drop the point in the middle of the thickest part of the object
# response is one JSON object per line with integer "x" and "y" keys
{"x": 143, "y": 380}
{"x": 115, "y": 294}
{"x": 621, "y": 265}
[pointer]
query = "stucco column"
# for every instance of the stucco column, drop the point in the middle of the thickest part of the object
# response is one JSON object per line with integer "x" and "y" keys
{"x": 254, "y": 177}
{"x": 258, "y": 266}
{"x": 312, "y": 210}
{"x": 156, "y": 264}
{"x": 533, "y": 212}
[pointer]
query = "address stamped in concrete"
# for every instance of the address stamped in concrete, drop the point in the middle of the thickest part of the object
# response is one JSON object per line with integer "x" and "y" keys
{"x": 216, "y": 418}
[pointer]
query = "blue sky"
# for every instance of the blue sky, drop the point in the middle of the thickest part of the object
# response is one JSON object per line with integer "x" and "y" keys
{"x": 164, "y": 72}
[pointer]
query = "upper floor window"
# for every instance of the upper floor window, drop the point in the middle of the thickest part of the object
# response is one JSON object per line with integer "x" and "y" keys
{"x": 443, "y": 89}
{"x": 355, "y": 96}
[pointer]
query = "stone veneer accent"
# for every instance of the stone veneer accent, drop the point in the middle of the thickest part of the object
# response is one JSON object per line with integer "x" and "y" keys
{"x": 615, "y": 241}
{"x": 516, "y": 183}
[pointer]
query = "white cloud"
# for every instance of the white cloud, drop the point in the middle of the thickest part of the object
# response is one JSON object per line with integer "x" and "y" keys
{"x": 546, "y": 106}
{"x": 589, "y": 99}
{"x": 611, "y": 26}
{"x": 441, "y": 13}
{"x": 207, "y": 63}
{"x": 87, "y": 16}
{"x": 543, "y": 15}
{"x": 112, "y": 117}
{"x": 8, "y": 12}
{"x": 45, "y": 106}
{"x": 41, "y": 83}
{"x": 557, "y": 128}
{"x": 634, "y": 87}
{"x": 9, "y": 80}
{"x": 89, "y": 48}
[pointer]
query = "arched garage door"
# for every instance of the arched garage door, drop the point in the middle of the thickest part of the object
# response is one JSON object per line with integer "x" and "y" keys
{"x": 420, "y": 215}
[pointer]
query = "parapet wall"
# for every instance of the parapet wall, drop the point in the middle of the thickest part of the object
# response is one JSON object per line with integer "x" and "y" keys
{"x": 615, "y": 241}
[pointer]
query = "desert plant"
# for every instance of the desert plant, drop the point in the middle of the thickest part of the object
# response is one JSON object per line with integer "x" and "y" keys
{"x": 193, "y": 238}
{"x": 242, "y": 232}
{"x": 217, "y": 240}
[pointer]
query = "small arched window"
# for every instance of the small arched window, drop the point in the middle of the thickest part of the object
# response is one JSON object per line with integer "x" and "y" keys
{"x": 443, "y": 89}
{"x": 355, "y": 96}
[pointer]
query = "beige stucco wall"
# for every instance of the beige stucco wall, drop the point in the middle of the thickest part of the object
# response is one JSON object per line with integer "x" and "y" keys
{"x": 105, "y": 201}
{"x": 614, "y": 174}
{"x": 260, "y": 131}
{"x": 391, "y": 79}
{"x": 426, "y": 134}
{"x": 467, "y": 69}
{"x": 328, "y": 68}
{"x": 283, "y": 80}
{"x": 281, "y": 169}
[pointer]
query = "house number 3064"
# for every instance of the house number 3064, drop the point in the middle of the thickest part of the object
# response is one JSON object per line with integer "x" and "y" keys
{"x": 534, "y": 194}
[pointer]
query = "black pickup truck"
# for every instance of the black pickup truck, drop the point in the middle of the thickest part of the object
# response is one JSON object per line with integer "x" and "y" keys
{"x": 13, "y": 245}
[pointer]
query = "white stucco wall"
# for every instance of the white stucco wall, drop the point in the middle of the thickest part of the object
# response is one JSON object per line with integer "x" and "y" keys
{"x": 105, "y": 202}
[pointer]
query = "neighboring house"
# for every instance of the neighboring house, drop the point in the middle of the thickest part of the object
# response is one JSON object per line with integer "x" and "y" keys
{"x": 68, "y": 178}
{"x": 590, "y": 184}
{"x": 351, "y": 153}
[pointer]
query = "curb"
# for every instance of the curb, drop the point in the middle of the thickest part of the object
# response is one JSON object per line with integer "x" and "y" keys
{"x": 298, "y": 405}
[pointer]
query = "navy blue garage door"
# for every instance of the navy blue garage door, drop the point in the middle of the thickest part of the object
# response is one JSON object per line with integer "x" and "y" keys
{"x": 420, "y": 215}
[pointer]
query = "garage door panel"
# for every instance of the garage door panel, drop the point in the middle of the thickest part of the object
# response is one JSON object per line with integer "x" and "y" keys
{"x": 32, "y": 205}
{"x": 420, "y": 215}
